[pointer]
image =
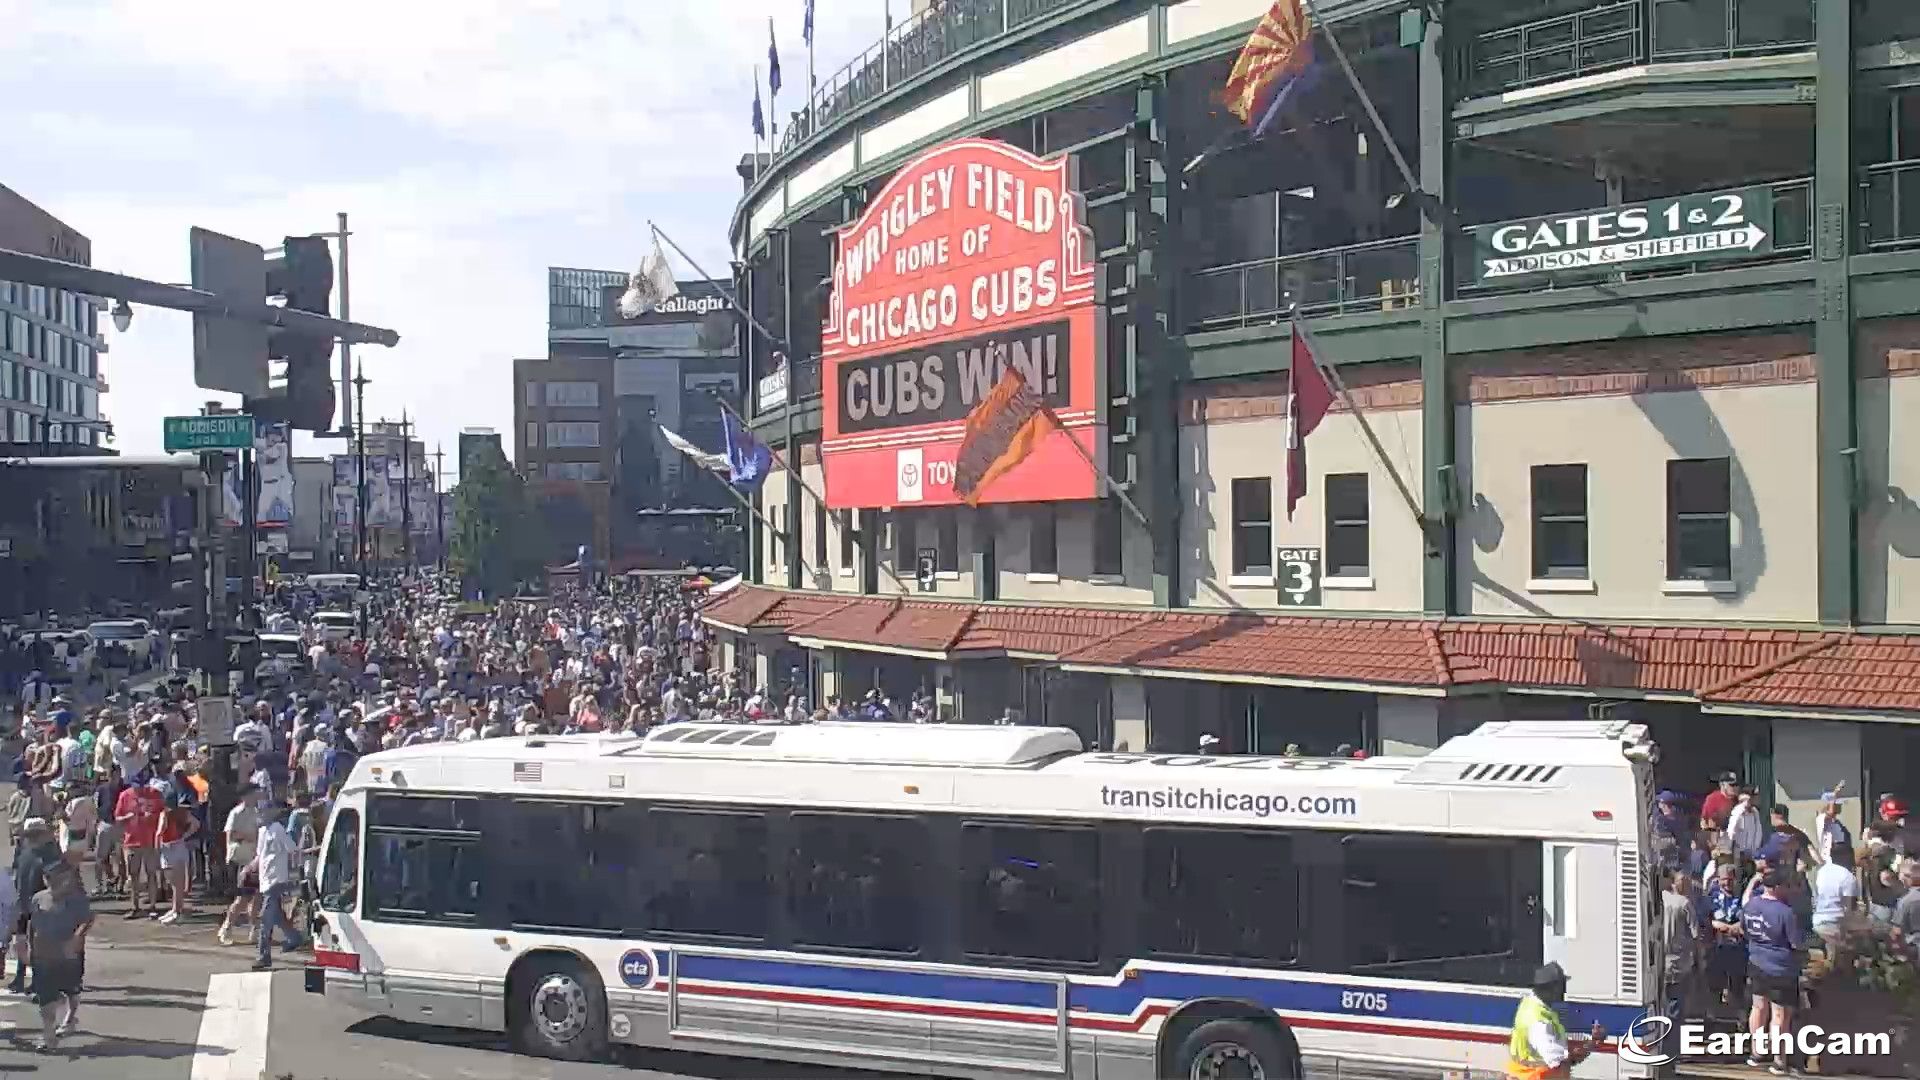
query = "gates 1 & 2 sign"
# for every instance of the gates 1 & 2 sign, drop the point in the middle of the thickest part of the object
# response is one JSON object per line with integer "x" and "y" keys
{"x": 1686, "y": 228}
{"x": 974, "y": 257}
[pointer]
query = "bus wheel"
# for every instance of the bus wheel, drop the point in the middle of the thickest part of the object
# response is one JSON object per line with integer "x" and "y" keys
{"x": 1232, "y": 1050}
{"x": 563, "y": 1013}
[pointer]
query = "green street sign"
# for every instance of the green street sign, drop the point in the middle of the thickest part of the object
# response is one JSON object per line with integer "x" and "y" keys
{"x": 1705, "y": 227}
{"x": 228, "y": 431}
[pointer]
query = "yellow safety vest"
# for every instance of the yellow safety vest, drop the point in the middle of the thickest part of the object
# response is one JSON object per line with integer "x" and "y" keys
{"x": 1519, "y": 1046}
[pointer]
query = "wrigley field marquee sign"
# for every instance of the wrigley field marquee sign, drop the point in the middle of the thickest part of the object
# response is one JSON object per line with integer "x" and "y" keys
{"x": 1638, "y": 236}
{"x": 974, "y": 258}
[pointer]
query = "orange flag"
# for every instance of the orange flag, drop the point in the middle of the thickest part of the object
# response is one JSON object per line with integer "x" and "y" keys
{"x": 1001, "y": 432}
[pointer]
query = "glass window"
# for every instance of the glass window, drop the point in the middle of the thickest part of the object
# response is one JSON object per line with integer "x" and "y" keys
{"x": 340, "y": 873}
{"x": 423, "y": 876}
{"x": 947, "y": 540}
{"x": 37, "y": 299}
{"x": 1043, "y": 539}
{"x": 574, "y": 394}
{"x": 573, "y": 433}
{"x": 1417, "y": 899}
{"x": 854, "y": 881}
{"x": 533, "y": 434}
{"x": 22, "y": 427}
{"x": 557, "y": 848}
{"x": 1252, "y": 526}
{"x": 1030, "y": 892}
{"x": 845, "y": 524}
{"x": 1109, "y": 538}
{"x": 20, "y": 334}
{"x": 903, "y": 542}
{"x": 534, "y": 394}
{"x": 1560, "y": 522}
{"x": 1699, "y": 520}
{"x": 406, "y": 812}
{"x": 1223, "y": 895}
{"x": 1348, "y": 542}
{"x": 711, "y": 873}
{"x": 9, "y": 388}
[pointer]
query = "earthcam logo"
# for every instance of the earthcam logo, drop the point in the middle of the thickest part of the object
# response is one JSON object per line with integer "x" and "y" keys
{"x": 1641, "y": 1045}
{"x": 1645, "y": 1038}
{"x": 636, "y": 968}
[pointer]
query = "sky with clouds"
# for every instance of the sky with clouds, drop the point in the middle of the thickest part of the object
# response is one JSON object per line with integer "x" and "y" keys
{"x": 473, "y": 144}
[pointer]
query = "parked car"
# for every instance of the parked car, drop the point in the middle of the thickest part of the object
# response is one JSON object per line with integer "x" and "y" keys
{"x": 281, "y": 656}
{"x": 122, "y": 643}
{"x": 73, "y": 653}
{"x": 335, "y": 625}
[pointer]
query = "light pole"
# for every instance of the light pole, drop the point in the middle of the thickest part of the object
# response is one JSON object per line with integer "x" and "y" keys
{"x": 439, "y": 511}
{"x": 360, "y": 382}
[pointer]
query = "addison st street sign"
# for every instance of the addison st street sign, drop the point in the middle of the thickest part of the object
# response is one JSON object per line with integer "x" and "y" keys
{"x": 973, "y": 259}
{"x": 1637, "y": 236}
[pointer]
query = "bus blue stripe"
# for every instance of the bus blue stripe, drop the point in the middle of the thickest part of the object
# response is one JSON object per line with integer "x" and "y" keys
{"x": 1274, "y": 990}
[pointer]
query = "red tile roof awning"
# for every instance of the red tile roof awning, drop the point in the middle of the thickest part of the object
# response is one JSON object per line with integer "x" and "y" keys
{"x": 1400, "y": 652}
{"x": 1776, "y": 669}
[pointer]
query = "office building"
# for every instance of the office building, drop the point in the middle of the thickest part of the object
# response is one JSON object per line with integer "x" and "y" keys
{"x": 50, "y": 343}
{"x": 1635, "y": 351}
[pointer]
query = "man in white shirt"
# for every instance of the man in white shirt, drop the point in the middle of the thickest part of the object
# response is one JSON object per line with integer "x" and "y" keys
{"x": 313, "y": 761}
{"x": 278, "y": 856}
{"x": 1836, "y": 892}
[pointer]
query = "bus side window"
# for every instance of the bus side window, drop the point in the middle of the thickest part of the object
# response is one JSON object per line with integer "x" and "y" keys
{"x": 340, "y": 875}
{"x": 1031, "y": 892}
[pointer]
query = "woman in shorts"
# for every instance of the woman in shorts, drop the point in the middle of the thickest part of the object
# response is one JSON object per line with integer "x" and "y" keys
{"x": 177, "y": 827}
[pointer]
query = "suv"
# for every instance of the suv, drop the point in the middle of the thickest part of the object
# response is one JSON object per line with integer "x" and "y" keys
{"x": 122, "y": 643}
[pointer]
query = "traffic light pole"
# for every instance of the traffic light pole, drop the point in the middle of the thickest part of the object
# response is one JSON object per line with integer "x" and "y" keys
{"x": 40, "y": 270}
{"x": 406, "y": 493}
{"x": 347, "y": 404}
{"x": 213, "y": 639}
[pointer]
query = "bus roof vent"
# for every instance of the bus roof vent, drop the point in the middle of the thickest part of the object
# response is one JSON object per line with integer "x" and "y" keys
{"x": 1509, "y": 774}
{"x": 863, "y": 743}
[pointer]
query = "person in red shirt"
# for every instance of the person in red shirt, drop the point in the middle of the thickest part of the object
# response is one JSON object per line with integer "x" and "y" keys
{"x": 1718, "y": 805}
{"x": 177, "y": 826}
{"x": 138, "y": 813}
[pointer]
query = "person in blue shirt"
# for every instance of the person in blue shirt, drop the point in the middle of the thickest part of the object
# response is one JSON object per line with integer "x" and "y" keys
{"x": 1727, "y": 956}
{"x": 1774, "y": 940}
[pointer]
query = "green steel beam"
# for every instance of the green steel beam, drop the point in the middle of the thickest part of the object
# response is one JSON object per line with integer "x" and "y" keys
{"x": 1438, "y": 591}
{"x": 1835, "y": 443}
{"x": 1153, "y": 351}
{"x": 790, "y": 448}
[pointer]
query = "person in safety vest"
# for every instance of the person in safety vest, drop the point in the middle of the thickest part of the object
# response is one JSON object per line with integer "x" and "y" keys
{"x": 1539, "y": 1047}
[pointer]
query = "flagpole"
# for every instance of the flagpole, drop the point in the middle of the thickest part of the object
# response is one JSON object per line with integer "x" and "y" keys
{"x": 712, "y": 283}
{"x": 1366, "y": 100}
{"x": 1366, "y": 429}
{"x": 1112, "y": 484}
{"x": 778, "y": 458}
{"x": 763, "y": 125}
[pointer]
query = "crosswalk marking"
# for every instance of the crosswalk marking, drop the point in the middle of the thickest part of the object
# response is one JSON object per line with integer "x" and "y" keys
{"x": 233, "y": 1028}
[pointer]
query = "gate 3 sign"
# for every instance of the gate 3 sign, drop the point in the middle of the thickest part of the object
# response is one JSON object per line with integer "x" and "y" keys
{"x": 1687, "y": 228}
{"x": 974, "y": 257}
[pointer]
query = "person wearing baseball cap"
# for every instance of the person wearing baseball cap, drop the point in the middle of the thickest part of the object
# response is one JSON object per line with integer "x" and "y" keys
{"x": 1538, "y": 1047}
{"x": 38, "y": 854}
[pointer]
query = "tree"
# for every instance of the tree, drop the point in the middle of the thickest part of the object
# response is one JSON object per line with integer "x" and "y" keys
{"x": 497, "y": 537}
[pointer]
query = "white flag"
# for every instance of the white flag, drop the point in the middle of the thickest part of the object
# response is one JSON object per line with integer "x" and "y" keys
{"x": 649, "y": 286}
{"x": 715, "y": 462}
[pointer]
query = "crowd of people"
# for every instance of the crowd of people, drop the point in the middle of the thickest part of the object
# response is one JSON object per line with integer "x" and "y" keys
{"x": 1750, "y": 895}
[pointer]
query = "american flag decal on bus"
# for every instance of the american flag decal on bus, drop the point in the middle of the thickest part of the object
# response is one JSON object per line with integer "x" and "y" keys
{"x": 526, "y": 772}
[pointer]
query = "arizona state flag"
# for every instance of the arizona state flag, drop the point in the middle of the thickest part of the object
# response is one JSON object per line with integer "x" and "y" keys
{"x": 1279, "y": 49}
{"x": 1001, "y": 432}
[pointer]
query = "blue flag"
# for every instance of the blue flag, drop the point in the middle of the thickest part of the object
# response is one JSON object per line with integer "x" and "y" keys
{"x": 759, "y": 118}
{"x": 773, "y": 60}
{"x": 806, "y": 25}
{"x": 747, "y": 457}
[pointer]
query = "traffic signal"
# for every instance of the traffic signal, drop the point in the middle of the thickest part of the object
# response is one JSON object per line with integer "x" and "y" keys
{"x": 302, "y": 275}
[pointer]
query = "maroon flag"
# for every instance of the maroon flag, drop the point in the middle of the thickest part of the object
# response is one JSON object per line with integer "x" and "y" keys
{"x": 1309, "y": 396}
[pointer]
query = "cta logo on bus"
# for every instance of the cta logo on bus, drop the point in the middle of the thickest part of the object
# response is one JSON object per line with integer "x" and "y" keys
{"x": 636, "y": 968}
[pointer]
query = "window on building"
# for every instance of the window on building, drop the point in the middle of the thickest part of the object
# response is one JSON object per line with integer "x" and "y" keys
{"x": 1252, "y": 526}
{"x": 1043, "y": 539}
{"x": 1031, "y": 892}
{"x": 1109, "y": 538}
{"x": 535, "y": 394}
{"x": 819, "y": 535}
{"x": 1699, "y": 520}
{"x": 1348, "y": 541}
{"x": 845, "y": 525}
{"x": 18, "y": 333}
{"x": 1560, "y": 522}
{"x": 533, "y": 434}
{"x": 575, "y": 470}
{"x": 902, "y": 523}
{"x": 9, "y": 387}
{"x": 854, "y": 881}
{"x": 22, "y": 427}
{"x": 946, "y": 524}
{"x": 574, "y": 394}
{"x": 37, "y": 299}
{"x": 573, "y": 433}
{"x": 1221, "y": 895}
{"x": 37, "y": 387}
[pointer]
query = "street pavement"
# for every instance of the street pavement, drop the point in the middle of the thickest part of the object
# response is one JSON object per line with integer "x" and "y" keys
{"x": 169, "y": 1003}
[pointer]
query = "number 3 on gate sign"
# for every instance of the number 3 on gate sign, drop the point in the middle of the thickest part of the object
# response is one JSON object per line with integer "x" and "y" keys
{"x": 1299, "y": 576}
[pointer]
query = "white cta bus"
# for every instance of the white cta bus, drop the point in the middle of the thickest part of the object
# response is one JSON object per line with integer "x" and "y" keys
{"x": 995, "y": 902}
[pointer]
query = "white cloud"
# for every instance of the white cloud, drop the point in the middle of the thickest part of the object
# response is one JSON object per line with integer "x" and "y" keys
{"x": 550, "y": 132}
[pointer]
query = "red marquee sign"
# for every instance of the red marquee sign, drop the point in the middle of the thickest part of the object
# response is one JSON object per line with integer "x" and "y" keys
{"x": 974, "y": 257}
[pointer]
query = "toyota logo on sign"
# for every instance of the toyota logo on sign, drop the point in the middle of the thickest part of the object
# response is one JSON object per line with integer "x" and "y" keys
{"x": 910, "y": 474}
